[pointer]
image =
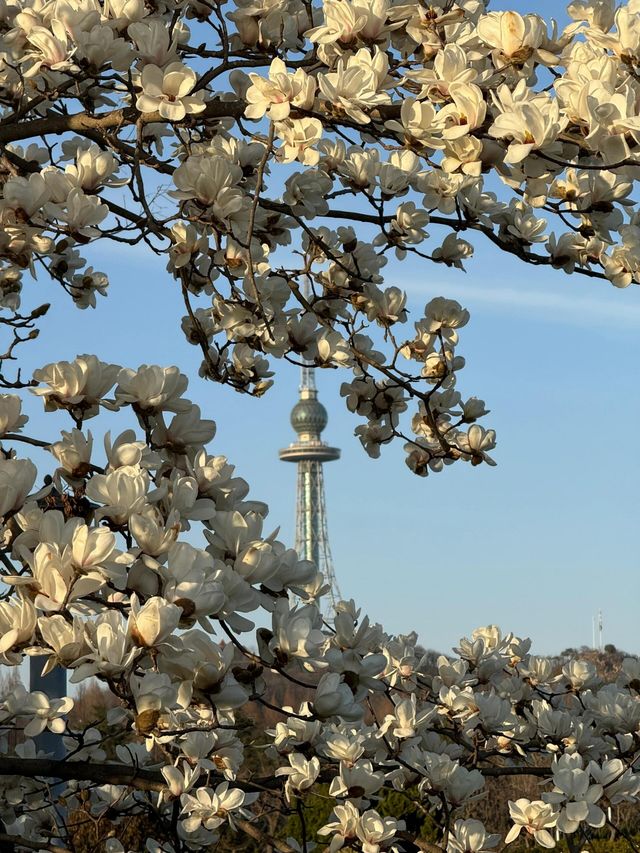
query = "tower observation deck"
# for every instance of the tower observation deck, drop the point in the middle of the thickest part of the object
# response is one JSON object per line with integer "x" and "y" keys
{"x": 308, "y": 418}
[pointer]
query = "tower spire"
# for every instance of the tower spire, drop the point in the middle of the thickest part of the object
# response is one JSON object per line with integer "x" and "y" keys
{"x": 308, "y": 418}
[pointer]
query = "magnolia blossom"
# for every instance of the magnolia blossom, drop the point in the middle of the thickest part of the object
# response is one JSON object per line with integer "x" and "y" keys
{"x": 66, "y": 642}
{"x": 276, "y": 95}
{"x": 375, "y": 832}
{"x": 151, "y": 388}
{"x": 356, "y": 83}
{"x": 574, "y": 796}
{"x": 109, "y": 648}
{"x": 11, "y": 420}
{"x": 470, "y": 836}
{"x": 536, "y": 818}
{"x": 168, "y": 91}
{"x": 17, "y": 477}
{"x": 17, "y": 624}
{"x": 345, "y": 826}
{"x": 123, "y": 492}
{"x": 79, "y": 385}
{"x": 154, "y": 622}
{"x": 301, "y": 774}
{"x": 529, "y": 127}
{"x": 515, "y": 38}
{"x": 45, "y": 713}
{"x": 74, "y": 452}
{"x": 298, "y": 137}
{"x": 351, "y": 21}
{"x": 210, "y": 808}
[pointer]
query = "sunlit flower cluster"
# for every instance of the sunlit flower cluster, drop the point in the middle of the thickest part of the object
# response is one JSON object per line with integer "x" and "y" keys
{"x": 385, "y": 114}
{"x": 107, "y": 583}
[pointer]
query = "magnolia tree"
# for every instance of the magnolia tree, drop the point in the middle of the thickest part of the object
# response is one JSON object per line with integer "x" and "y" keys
{"x": 277, "y": 153}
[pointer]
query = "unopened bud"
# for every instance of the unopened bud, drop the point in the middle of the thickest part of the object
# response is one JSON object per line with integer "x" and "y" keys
{"x": 40, "y": 311}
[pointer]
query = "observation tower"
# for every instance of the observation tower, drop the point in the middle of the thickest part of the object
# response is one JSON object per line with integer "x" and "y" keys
{"x": 308, "y": 418}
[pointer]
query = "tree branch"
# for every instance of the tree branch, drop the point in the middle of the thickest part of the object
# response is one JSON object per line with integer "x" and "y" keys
{"x": 80, "y": 122}
{"x": 257, "y": 834}
{"x": 112, "y": 774}
{"x": 19, "y": 841}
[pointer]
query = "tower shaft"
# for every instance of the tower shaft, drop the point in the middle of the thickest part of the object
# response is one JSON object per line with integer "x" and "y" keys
{"x": 312, "y": 537}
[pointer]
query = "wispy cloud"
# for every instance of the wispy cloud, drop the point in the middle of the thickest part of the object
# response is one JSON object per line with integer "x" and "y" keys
{"x": 577, "y": 307}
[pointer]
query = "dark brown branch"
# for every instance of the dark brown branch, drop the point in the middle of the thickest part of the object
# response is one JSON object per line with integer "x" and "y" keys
{"x": 80, "y": 122}
{"x": 259, "y": 835}
{"x": 84, "y": 771}
{"x": 19, "y": 841}
{"x": 110, "y": 774}
{"x": 36, "y": 442}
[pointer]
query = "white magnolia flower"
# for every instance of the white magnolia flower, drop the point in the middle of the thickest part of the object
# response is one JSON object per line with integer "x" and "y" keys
{"x": 78, "y": 385}
{"x": 122, "y": 492}
{"x": 57, "y": 579}
{"x": 356, "y": 84}
{"x": 66, "y": 641}
{"x": 52, "y": 49}
{"x": 516, "y": 38}
{"x": 110, "y": 650}
{"x": 26, "y": 195}
{"x": 74, "y": 452}
{"x": 299, "y": 136}
{"x": 168, "y": 92}
{"x": 357, "y": 781}
{"x": 536, "y": 818}
{"x": 17, "y": 477}
{"x": 301, "y": 774}
{"x": 188, "y": 243}
{"x": 334, "y": 698}
{"x": 154, "y": 40}
{"x": 528, "y": 127}
{"x": 152, "y": 623}
{"x": 45, "y": 713}
{"x": 618, "y": 782}
{"x": 94, "y": 168}
{"x": 187, "y": 429}
{"x": 344, "y": 828}
{"x": 376, "y": 832}
{"x": 151, "y": 389}
{"x": 464, "y": 113}
{"x": 152, "y": 533}
{"x": 180, "y": 781}
{"x": 17, "y": 624}
{"x": 470, "y": 836}
{"x": 210, "y": 809}
{"x": 11, "y": 419}
{"x": 276, "y": 95}
{"x": 212, "y": 181}
{"x": 345, "y": 22}
{"x": 574, "y": 796}
{"x": 79, "y": 213}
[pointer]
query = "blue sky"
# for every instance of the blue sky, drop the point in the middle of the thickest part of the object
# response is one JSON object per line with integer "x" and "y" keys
{"x": 537, "y": 544}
